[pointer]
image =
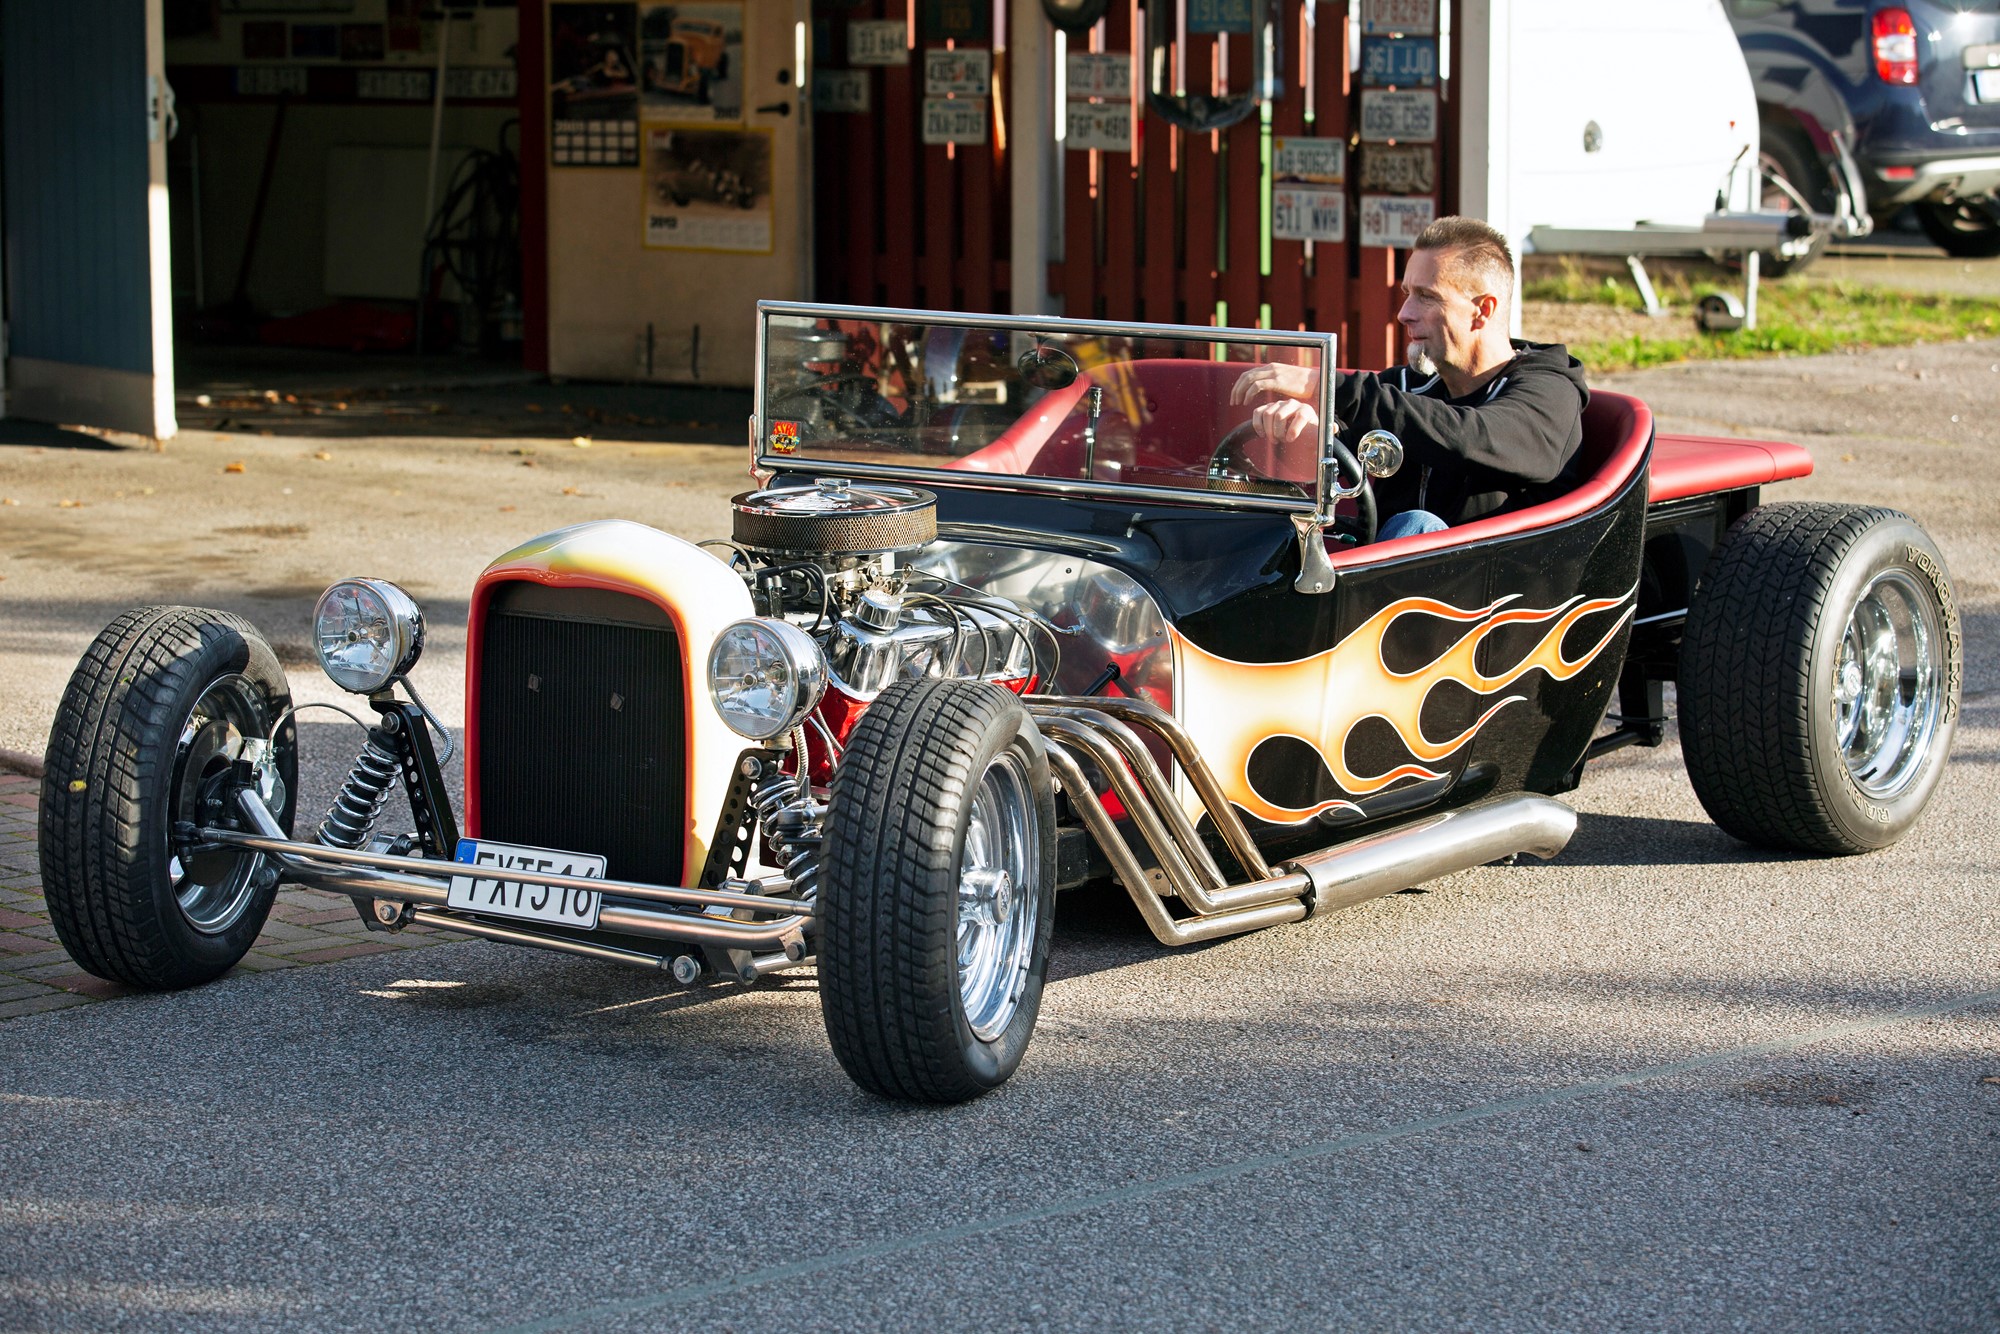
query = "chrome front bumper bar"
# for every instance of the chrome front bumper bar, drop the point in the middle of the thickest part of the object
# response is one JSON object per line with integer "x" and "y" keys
{"x": 683, "y": 916}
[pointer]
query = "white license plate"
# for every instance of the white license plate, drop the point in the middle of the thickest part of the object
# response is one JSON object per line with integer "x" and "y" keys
{"x": 491, "y": 892}
{"x": 1986, "y": 85}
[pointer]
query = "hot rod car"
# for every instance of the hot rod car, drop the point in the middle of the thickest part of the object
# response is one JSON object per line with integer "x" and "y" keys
{"x": 933, "y": 679}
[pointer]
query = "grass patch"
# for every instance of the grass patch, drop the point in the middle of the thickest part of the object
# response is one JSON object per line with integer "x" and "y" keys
{"x": 1795, "y": 316}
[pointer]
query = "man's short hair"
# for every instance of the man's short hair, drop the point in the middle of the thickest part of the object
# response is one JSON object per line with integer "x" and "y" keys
{"x": 1472, "y": 250}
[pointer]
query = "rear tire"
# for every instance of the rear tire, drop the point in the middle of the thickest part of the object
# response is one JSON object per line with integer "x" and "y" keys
{"x": 145, "y": 737}
{"x": 937, "y": 894}
{"x": 1964, "y": 228}
{"x": 1820, "y": 676}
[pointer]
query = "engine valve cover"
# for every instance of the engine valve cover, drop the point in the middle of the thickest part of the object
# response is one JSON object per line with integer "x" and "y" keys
{"x": 834, "y": 517}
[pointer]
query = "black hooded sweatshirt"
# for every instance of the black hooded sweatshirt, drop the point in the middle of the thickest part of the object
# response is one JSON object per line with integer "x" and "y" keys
{"x": 1509, "y": 444}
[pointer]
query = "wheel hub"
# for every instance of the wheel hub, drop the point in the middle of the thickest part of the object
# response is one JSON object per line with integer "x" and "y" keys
{"x": 997, "y": 907}
{"x": 1889, "y": 689}
{"x": 214, "y": 886}
{"x": 988, "y": 893}
{"x": 1847, "y": 685}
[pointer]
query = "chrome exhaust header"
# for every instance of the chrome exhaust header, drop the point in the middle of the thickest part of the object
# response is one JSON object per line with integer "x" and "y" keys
{"x": 1101, "y": 732}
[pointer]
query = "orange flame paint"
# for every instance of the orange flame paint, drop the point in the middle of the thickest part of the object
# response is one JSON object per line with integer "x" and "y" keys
{"x": 1230, "y": 707}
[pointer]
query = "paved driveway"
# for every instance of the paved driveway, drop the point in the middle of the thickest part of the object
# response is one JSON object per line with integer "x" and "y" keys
{"x": 1661, "y": 1082}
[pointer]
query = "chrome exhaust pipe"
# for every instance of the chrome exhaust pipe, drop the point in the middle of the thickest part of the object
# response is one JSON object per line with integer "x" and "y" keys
{"x": 1319, "y": 882}
{"x": 1166, "y": 928}
{"x": 1438, "y": 845}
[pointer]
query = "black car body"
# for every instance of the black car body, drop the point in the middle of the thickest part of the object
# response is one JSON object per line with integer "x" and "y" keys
{"x": 1875, "y": 106}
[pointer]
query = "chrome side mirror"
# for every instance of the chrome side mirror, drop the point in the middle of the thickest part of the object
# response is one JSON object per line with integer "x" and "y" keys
{"x": 1381, "y": 453}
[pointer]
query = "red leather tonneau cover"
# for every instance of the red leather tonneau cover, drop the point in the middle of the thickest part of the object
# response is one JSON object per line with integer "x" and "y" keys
{"x": 1700, "y": 465}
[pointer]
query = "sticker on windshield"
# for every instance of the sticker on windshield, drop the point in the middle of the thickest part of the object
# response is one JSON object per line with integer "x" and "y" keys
{"x": 784, "y": 437}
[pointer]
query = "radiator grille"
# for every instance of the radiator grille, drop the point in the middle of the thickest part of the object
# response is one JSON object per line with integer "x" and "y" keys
{"x": 581, "y": 729}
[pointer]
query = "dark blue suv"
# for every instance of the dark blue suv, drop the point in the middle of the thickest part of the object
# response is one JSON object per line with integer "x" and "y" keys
{"x": 1867, "y": 107}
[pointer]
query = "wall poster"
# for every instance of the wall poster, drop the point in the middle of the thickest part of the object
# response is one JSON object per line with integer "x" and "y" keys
{"x": 593, "y": 85}
{"x": 691, "y": 61}
{"x": 708, "y": 189}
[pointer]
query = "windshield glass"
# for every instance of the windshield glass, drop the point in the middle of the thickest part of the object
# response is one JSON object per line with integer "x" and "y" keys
{"x": 1085, "y": 405}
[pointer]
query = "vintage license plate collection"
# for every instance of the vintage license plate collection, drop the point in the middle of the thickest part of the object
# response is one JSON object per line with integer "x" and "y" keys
{"x": 1390, "y": 220}
{"x": 492, "y": 893}
{"x": 954, "y": 120}
{"x": 1410, "y": 116}
{"x": 1105, "y": 126}
{"x": 1399, "y": 169}
{"x": 1399, "y": 62}
{"x": 1382, "y": 17}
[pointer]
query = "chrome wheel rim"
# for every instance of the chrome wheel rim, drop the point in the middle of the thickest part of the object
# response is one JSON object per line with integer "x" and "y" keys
{"x": 213, "y": 887}
{"x": 1888, "y": 684}
{"x": 998, "y": 907}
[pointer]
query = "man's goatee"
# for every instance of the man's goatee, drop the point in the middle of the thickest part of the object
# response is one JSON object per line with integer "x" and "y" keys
{"x": 1420, "y": 360}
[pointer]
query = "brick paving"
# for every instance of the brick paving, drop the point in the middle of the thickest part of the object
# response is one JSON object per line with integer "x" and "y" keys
{"x": 36, "y": 974}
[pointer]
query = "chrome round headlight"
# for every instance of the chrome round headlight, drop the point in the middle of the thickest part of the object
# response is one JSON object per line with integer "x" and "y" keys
{"x": 764, "y": 676}
{"x": 367, "y": 632}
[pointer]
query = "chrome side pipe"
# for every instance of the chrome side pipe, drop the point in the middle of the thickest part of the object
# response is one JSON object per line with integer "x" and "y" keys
{"x": 1181, "y": 746}
{"x": 1434, "y": 846}
{"x": 1168, "y": 929}
{"x": 1145, "y": 801}
{"x": 1317, "y": 883}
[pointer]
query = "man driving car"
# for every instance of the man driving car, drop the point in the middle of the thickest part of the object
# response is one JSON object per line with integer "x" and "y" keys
{"x": 1488, "y": 423}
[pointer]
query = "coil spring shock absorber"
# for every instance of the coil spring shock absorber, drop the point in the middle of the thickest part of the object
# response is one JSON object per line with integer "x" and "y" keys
{"x": 790, "y": 819}
{"x": 354, "y": 811}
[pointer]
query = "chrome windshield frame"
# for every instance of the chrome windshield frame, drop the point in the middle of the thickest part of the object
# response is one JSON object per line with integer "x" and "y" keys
{"x": 764, "y": 464}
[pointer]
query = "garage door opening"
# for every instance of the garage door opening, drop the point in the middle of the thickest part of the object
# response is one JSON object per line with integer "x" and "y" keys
{"x": 344, "y": 194}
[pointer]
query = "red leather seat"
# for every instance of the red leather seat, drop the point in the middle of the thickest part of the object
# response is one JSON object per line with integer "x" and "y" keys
{"x": 1616, "y": 430}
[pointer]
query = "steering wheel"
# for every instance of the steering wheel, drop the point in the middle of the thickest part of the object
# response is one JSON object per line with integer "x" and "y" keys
{"x": 1229, "y": 470}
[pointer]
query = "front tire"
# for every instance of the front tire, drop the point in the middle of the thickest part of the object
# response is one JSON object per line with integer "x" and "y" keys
{"x": 1820, "y": 676}
{"x": 146, "y": 737}
{"x": 937, "y": 893}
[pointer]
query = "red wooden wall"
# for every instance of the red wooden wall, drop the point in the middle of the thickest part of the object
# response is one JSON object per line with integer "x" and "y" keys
{"x": 1169, "y": 232}
{"x": 896, "y": 221}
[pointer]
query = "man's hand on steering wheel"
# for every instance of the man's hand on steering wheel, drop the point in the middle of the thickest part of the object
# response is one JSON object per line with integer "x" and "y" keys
{"x": 1278, "y": 382}
{"x": 1286, "y": 422}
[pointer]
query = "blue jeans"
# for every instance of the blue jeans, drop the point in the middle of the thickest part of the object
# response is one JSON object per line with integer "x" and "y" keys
{"x": 1409, "y": 523}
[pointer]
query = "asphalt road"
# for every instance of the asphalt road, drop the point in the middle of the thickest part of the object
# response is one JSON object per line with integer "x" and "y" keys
{"x": 1663, "y": 1082}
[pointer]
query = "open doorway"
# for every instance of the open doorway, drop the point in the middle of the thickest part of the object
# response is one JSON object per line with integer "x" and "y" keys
{"x": 344, "y": 194}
